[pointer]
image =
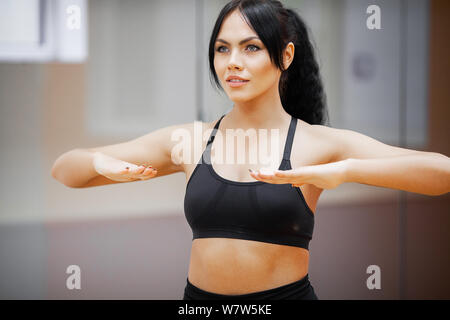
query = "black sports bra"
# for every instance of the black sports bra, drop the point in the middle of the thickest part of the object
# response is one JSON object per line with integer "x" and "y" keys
{"x": 219, "y": 208}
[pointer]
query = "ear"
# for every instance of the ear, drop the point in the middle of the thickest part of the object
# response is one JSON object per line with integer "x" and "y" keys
{"x": 288, "y": 55}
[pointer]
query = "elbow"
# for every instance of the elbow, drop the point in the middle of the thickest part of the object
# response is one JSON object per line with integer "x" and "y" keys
{"x": 58, "y": 174}
{"x": 438, "y": 155}
{"x": 55, "y": 172}
{"x": 62, "y": 181}
{"x": 439, "y": 193}
{"x": 436, "y": 191}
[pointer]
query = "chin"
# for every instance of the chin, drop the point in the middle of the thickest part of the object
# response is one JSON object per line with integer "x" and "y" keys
{"x": 239, "y": 96}
{"x": 239, "y": 99}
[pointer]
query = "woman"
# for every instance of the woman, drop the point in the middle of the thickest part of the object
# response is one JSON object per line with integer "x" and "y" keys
{"x": 251, "y": 230}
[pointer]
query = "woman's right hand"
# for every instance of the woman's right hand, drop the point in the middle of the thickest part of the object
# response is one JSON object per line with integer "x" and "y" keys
{"x": 119, "y": 170}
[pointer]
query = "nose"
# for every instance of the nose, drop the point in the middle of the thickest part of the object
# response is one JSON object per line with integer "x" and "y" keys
{"x": 234, "y": 63}
{"x": 234, "y": 66}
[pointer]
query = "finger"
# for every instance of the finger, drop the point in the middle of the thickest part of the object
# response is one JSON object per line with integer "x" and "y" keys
{"x": 130, "y": 169}
{"x": 264, "y": 175}
{"x": 148, "y": 170}
{"x": 285, "y": 174}
{"x": 254, "y": 174}
{"x": 269, "y": 177}
{"x": 281, "y": 174}
{"x": 139, "y": 169}
{"x": 134, "y": 171}
{"x": 258, "y": 175}
{"x": 150, "y": 173}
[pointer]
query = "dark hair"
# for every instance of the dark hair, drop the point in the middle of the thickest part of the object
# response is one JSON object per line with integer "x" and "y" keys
{"x": 301, "y": 89}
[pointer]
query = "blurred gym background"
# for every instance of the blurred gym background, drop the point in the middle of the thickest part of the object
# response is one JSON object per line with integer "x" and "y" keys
{"x": 81, "y": 74}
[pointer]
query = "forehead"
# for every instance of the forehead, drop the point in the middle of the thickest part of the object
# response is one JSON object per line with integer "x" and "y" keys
{"x": 234, "y": 27}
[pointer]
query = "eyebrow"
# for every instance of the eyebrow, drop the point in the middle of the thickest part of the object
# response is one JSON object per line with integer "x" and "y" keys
{"x": 240, "y": 42}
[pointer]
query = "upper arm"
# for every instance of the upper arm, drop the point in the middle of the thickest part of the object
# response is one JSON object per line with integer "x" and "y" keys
{"x": 348, "y": 144}
{"x": 154, "y": 148}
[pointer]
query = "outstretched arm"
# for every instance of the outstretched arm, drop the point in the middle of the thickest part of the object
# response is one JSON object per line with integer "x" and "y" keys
{"x": 372, "y": 162}
{"x": 362, "y": 159}
{"x": 427, "y": 173}
{"x": 81, "y": 168}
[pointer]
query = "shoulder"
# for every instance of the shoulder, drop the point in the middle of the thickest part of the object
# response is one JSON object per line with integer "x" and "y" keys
{"x": 319, "y": 140}
{"x": 324, "y": 132}
{"x": 350, "y": 144}
{"x": 315, "y": 131}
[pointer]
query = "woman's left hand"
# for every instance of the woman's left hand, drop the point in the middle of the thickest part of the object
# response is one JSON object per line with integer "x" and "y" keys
{"x": 324, "y": 176}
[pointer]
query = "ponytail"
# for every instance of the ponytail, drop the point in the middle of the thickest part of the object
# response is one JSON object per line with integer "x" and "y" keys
{"x": 301, "y": 88}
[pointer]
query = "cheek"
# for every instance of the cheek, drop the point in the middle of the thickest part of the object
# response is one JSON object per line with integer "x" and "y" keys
{"x": 262, "y": 70}
{"x": 219, "y": 65}
{"x": 259, "y": 65}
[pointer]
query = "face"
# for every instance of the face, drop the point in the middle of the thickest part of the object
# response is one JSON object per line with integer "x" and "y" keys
{"x": 247, "y": 59}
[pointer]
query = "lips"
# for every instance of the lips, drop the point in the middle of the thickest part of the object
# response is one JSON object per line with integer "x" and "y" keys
{"x": 236, "y": 78}
{"x": 237, "y": 81}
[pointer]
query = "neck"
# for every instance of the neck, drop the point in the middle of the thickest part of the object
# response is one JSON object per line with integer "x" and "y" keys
{"x": 264, "y": 111}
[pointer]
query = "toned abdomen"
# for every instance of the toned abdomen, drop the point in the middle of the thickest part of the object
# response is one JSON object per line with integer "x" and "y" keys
{"x": 235, "y": 266}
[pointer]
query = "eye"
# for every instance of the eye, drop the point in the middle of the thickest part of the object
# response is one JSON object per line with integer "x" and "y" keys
{"x": 256, "y": 48}
{"x": 251, "y": 45}
{"x": 218, "y": 48}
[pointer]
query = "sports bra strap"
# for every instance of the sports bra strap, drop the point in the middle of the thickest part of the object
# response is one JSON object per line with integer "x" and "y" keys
{"x": 289, "y": 139}
{"x": 213, "y": 133}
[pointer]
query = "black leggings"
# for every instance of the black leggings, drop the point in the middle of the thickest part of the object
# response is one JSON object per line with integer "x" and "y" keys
{"x": 298, "y": 290}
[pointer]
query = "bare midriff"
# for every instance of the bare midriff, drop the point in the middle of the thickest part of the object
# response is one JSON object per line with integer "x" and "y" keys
{"x": 236, "y": 266}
